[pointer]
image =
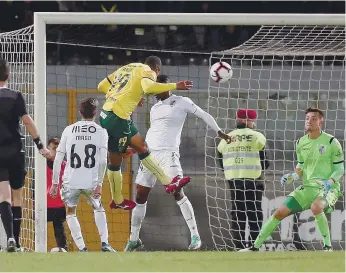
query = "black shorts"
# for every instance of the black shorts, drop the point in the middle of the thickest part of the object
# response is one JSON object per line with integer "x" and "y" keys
{"x": 56, "y": 214}
{"x": 13, "y": 169}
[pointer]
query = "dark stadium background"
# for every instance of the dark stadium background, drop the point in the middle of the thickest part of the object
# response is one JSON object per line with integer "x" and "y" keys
{"x": 17, "y": 14}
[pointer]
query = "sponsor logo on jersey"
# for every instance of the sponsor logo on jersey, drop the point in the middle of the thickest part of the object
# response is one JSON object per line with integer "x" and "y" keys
{"x": 84, "y": 129}
{"x": 322, "y": 149}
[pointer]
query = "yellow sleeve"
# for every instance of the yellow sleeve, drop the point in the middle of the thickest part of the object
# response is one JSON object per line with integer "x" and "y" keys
{"x": 106, "y": 83}
{"x": 151, "y": 87}
{"x": 221, "y": 146}
{"x": 261, "y": 141}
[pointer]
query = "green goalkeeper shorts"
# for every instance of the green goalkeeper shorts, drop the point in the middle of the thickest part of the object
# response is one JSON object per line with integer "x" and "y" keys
{"x": 305, "y": 196}
{"x": 120, "y": 131}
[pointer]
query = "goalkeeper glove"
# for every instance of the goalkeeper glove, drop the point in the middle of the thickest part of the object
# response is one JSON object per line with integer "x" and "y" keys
{"x": 289, "y": 178}
{"x": 326, "y": 186}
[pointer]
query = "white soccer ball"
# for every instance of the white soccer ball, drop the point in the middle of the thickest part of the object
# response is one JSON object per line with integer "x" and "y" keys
{"x": 57, "y": 249}
{"x": 221, "y": 72}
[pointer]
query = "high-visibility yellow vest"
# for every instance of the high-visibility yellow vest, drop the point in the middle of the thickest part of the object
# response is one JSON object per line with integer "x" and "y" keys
{"x": 241, "y": 157}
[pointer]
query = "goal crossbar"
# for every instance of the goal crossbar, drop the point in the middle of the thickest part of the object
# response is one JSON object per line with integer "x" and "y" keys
{"x": 41, "y": 19}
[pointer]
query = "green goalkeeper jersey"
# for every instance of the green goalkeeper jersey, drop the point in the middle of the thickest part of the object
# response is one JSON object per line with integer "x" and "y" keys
{"x": 320, "y": 159}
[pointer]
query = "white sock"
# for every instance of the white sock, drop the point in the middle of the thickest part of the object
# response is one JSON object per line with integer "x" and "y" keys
{"x": 76, "y": 231}
{"x": 189, "y": 215}
{"x": 101, "y": 223}
{"x": 138, "y": 214}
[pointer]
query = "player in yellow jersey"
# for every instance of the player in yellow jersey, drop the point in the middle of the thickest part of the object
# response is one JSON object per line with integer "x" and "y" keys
{"x": 124, "y": 89}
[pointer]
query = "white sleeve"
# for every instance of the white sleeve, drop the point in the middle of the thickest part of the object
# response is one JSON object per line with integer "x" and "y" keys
{"x": 103, "y": 156}
{"x": 57, "y": 167}
{"x": 59, "y": 157}
{"x": 62, "y": 145}
{"x": 191, "y": 107}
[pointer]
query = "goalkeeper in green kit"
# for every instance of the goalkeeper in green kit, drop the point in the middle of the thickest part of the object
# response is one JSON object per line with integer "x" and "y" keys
{"x": 320, "y": 167}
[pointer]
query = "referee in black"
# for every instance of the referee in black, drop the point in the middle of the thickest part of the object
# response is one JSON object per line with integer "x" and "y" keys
{"x": 12, "y": 156}
{"x": 243, "y": 160}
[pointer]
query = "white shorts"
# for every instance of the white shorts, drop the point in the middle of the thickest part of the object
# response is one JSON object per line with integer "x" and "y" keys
{"x": 71, "y": 197}
{"x": 168, "y": 161}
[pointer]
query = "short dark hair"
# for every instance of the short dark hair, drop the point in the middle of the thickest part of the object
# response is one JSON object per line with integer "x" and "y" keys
{"x": 162, "y": 79}
{"x": 153, "y": 62}
{"x": 54, "y": 140}
{"x": 88, "y": 107}
{"x": 314, "y": 110}
{"x": 3, "y": 70}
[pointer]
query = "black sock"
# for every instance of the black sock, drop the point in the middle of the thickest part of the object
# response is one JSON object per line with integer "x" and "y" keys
{"x": 7, "y": 218}
{"x": 59, "y": 232}
{"x": 17, "y": 222}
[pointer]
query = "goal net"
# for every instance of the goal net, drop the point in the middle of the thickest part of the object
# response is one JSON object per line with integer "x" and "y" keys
{"x": 17, "y": 47}
{"x": 280, "y": 72}
{"x": 272, "y": 74}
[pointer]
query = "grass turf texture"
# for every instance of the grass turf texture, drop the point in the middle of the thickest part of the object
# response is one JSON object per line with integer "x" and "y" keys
{"x": 175, "y": 261}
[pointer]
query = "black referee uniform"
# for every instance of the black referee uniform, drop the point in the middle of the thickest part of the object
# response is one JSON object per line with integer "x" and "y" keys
{"x": 12, "y": 155}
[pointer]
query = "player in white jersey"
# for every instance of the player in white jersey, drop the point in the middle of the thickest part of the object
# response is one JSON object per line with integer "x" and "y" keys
{"x": 85, "y": 145}
{"x": 167, "y": 119}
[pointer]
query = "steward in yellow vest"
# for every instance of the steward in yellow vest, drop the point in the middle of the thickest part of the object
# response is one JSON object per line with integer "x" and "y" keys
{"x": 243, "y": 160}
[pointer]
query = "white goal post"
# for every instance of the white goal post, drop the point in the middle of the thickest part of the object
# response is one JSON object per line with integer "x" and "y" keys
{"x": 43, "y": 19}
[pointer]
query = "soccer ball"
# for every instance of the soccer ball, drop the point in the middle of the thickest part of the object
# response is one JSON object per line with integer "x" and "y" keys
{"x": 57, "y": 249}
{"x": 221, "y": 72}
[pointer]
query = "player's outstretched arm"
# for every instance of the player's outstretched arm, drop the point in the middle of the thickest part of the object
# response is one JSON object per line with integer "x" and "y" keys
{"x": 191, "y": 107}
{"x": 150, "y": 86}
{"x": 105, "y": 84}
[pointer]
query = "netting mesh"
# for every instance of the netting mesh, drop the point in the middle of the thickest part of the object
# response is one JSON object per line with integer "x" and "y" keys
{"x": 280, "y": 72}
{"x": 17, "y": 47}
{"x": 272, "y": 74}
{"x": 294, "y": 41}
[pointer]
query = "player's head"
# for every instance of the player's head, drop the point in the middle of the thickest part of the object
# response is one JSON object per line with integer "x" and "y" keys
{"x": 246, "y": 117}
{"x": 88, "y": 107}
{"x": 154, "y": 63}
{"x": 313, "y": 119}
{"x": 4, "y": 71}
{"x": 165, "y": 95}
{"x": 53, "y": 144}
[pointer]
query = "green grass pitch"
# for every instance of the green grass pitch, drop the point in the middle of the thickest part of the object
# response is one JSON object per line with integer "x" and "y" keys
{"x": 304, "y": 261}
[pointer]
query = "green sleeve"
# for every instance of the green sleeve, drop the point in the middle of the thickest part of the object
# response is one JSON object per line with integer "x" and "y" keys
{"x": 300, "y": 159}
{"x": 337, "y": 159}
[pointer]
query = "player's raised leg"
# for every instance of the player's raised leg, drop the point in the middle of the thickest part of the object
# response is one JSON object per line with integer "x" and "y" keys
{"x": 149, "y": 161}
{"x": 296, "y": 201}
{"x": 115, "y": 179}
{"x": 145, "y": 181}
{"x": 119, "y": 133}
{"x": 189, "y": 215}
